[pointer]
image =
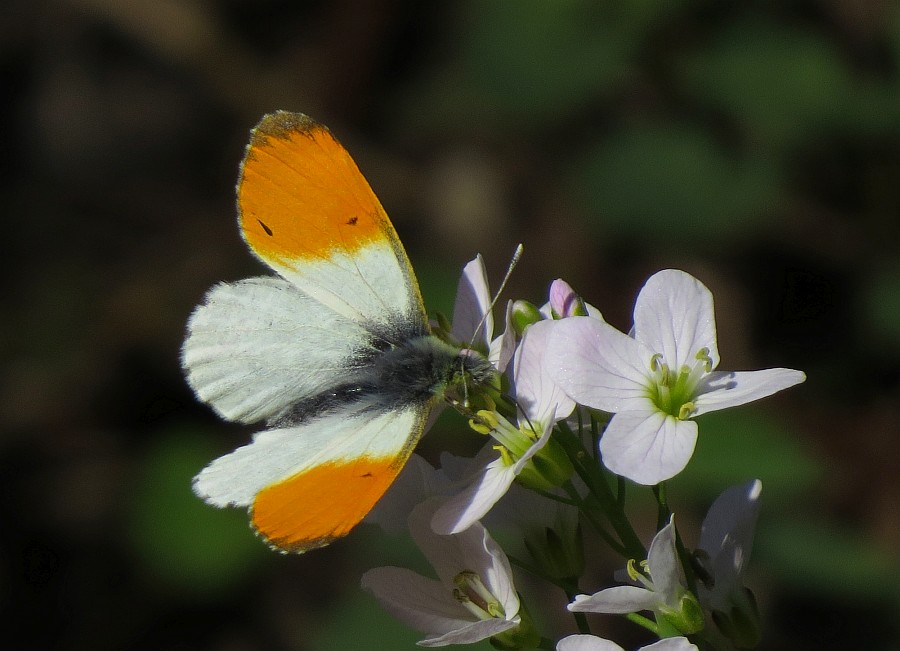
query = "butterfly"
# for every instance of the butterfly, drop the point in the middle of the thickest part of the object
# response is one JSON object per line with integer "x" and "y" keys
{"x": 334, "y": 352}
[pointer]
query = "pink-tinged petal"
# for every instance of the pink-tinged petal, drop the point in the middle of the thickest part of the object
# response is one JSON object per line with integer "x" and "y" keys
{"x": 421, "y": 603}
{"x": 674, "y": 316}
{"x": 472, "y": 632}
{"x": 586, "y": 643}
{"x": 671, "y": 644}
{"x": 473, "y": 300}
{"x": 720, "y": 389}
{"x": 536, "y": 392}
{"x": 563, "y": 299}
{"x": 619, "y": 600}
{"x": 663, "y": 563}
{"x": 598, "y": 366}
{"x": 647, "y": 447}
{"x": 468, "y": 506}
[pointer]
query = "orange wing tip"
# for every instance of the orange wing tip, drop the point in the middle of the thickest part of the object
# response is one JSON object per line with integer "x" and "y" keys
{"x": 281, "y": 125}
{"x": 320, "y": 505}
{"x": 301, "y": 197}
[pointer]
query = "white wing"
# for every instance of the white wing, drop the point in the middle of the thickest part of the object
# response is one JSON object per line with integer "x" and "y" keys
{"x": 256, "y": 346}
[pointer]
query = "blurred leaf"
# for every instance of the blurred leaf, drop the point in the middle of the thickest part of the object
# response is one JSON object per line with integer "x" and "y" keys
{"x": 181, "y": 541}
{"x": 361, "y": 612}
{"x": 674, "y": 182}
{"x": 779, "y": 82}
{"x": 738, "y": 445}
{"x": 356, "y": 613}
{"x": 824, "y": 558}
{"x": 437, "y": 282}
{"x": 534, "y": 58}
{"x": 528, "y": 62}
{"x": 882, "y": 307}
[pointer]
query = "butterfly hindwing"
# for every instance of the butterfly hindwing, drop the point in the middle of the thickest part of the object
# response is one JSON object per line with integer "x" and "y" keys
{"x": 310, "y": 483}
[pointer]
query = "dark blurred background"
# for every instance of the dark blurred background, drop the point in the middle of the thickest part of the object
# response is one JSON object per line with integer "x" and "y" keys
{"x": 753, "y": 144}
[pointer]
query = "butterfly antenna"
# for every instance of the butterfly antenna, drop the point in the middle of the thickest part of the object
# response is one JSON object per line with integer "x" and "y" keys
{"x": 517, "y": 254}
{"x": 512, "y": 265}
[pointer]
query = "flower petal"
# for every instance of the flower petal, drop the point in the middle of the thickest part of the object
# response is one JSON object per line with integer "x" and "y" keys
{"x": 671, "y": 644}
{"x": 597, "y": 365}
{"x": 647, "y": 447}
{"x": 720, "y": 389}
{"x": 536, "y": 392}
{"x": 727, "y": 538}
{"x": 419, "y": 602}
{"x": 501, "y": 349}
{"x": 618, "y": 600}
{"x": 473, "y": 301}
{"x": 674, "y": 316}
{"x": 731, "y": 517}
{"x": 472, "y": 632}
{"x": 468, "y": 506}
{"x": 662, "y": 560}
{"x": 586, "y": 643}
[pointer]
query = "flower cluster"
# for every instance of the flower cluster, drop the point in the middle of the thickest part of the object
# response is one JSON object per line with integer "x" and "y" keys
{"x": 583, "y": 407}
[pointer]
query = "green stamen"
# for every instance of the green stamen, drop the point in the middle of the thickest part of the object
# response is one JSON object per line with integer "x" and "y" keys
{"x": 674, "y": 392}
{"x": 471, "y": 592}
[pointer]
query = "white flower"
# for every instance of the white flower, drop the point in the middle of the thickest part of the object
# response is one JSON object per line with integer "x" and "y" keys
{"x": 663, "y": 587}
{"x": 473, "y": 598}
{"x": 541, "y": 404}
{"x": 655, "y": 381}
{"x": 592, "y": 643}
{"x": 661, "y": 590}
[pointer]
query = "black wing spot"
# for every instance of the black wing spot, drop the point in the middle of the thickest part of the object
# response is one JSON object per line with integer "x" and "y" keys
{"x": 352, "y": 221}
{"x": 265, "y": 228}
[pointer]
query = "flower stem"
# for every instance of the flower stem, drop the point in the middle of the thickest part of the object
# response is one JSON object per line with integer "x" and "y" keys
{"x": 569, "y": 586}
{"x": 662, "y": 500}
{"x": 606, "y": 502}
{"x": 640, "y": 620}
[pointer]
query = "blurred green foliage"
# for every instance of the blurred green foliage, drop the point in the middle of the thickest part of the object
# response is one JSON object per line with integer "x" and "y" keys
{"x": 181, "y": 543}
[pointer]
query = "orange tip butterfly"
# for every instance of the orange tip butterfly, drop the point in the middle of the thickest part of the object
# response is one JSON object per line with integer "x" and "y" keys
{"x": 334, "y": 353}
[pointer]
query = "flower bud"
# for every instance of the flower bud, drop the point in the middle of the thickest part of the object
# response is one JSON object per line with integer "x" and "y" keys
{"x": 523, "y": 315}
{"x": 689, "y": 618}
{"x": 547, "y": 469}
{"x": 560, "y": 554}
{"x": 564, "y": 301}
